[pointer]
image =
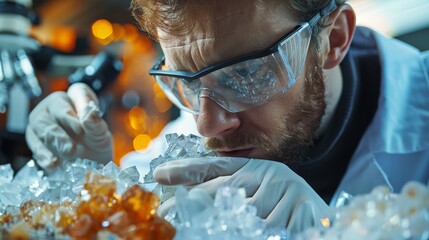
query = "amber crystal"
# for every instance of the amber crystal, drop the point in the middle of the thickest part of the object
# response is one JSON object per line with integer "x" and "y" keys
{"x": 156, "y": 228}
{"x": 29, "y": 208}
{"x": 99, "y": 208}
{"x": 97, "y": 211}
{"x": 45, "y": 216}
{"x": 97, "y": 184}
{"x": 64, "y": 218}
{"x": 140, "y": 203}
{"x": 20, "y": 231}
{"x": 7, "y": 219}
{"x": 82, "y": 228}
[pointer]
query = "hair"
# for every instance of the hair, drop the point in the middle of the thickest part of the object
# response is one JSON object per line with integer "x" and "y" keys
{"x": 151, "y": 14}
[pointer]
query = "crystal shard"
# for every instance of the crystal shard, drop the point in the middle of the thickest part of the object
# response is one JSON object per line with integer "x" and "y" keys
{"x": 6, "y": 174}
{"x": 179, "y": 147}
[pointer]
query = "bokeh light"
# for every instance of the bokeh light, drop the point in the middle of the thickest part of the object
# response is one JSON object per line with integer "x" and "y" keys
{"x": 63, "y": 38}
{"x": 138, "y": 119}
{"x": 141, "y": 142}
{"x": 102, "y": 29}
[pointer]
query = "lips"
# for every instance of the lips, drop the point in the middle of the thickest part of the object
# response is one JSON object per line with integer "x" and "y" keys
{"x": 234, "y": 153}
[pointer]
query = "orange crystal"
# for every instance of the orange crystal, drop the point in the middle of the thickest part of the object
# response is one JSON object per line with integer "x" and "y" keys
{"x": 156, "y": 228}
{"x": 140, "y": 203}
{"x": 97, "y": 184}
{"x": 99, "y": 209}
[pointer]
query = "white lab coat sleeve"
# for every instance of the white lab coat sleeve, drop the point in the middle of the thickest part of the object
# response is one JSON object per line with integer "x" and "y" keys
{"x": 395, "y": 148}
{"x": 184, "y": 124}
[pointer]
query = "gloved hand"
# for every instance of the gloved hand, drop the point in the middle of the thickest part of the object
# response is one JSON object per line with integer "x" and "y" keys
{"x": 281, "y": 197}
{"x": 67, "y": 126}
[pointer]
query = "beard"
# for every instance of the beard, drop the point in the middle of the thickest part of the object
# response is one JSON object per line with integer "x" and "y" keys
{"x": 294, "y": 139}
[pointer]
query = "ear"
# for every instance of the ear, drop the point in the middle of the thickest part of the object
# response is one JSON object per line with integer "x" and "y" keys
{"x": 338, "y": 35}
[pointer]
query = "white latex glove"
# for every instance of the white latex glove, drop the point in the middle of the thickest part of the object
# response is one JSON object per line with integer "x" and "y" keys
{"x": 67, "y": 126}
{"x": 281, "y": 197}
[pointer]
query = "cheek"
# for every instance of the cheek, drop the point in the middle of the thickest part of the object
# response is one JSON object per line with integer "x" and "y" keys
{"x": 271, "y": 116}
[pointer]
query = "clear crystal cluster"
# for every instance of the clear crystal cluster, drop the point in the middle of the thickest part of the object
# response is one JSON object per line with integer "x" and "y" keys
{"x": 179, "y": 147}
{"x": 379, "y": 215}
{"x": 197, "y": 216}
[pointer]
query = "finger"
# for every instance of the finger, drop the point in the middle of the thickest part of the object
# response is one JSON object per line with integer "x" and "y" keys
{"x": 247, "y": 178}
{"x": 44, "y": 157}
{"x": 97, "y": 137}
{"x": 81, "y": 95}
{"x": 297, "y": 218}
{"x": 267, "y": 196}
{"x": 86, "y": 104}
{"x": 211, "y": 186}
{"x": 62, "y": 112}
{"x": 97, "y": 134}
{"x": 53, "y": 133}
{"x": 192, "y": 171}
{"x": 166, "y": 206}
{"x": 297, "y": 208}
{"x": 57, "y": 109}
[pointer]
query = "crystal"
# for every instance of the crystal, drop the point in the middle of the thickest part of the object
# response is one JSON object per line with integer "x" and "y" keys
{"x": 179, "y": 147}
{"x": 164, "y": 192}
{"x": 229, "y": 199}
{"x": 27, "y": 175}
{"x": 198, "y": 216}
{"x": 9, "y": 195}
{"x": 20, "y": 231}
{"x": 98, "y": 184}
{"x": 380, "y": 214}
{"x": 131, "y": 175}
{"x": 126, "y": 178}
{"x": 78, "y": 201}
{"x": 111, "y": 170}
{"x": 140, "y": 203}
{"x": 6, "y": 173}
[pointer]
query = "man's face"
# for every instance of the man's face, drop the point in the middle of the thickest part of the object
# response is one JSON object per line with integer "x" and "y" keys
{"x": 282, "y": 129}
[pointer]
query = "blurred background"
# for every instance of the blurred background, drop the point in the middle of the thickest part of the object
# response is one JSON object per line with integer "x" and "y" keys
{"x": 65, "y": 37}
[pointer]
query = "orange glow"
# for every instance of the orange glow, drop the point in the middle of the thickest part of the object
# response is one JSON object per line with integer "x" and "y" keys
{"x": 118, "y": 31}
{"x": 59, "y": 84}
{"x": 325, "y": 222}
{"x": 102, "y": 29}
{"x": 156, "y": 88}
{"x": 131, "y": 32}
{"x": 162, "y": 103}
{"x": 138, "y": 119}
{"x": 156, "y": 127}
{"x": 64, "y": 38}
{"x": 141, "y": 142}
{"x": 122, "y": 146}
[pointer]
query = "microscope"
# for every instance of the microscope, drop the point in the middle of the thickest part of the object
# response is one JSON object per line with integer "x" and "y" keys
{"x": 21, "y": 58}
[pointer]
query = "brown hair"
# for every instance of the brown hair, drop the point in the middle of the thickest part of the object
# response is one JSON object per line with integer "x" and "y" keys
{"x": 151, "y": 14}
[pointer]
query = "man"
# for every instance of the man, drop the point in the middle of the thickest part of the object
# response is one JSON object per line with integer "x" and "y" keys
{"x": 272, "y": 80}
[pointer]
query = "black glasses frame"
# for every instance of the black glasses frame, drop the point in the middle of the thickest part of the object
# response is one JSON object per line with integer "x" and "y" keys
{"x": 189, "y": 76}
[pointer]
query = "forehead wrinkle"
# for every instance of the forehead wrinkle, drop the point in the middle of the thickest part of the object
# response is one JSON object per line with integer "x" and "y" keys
{"x": 189, "y": 44}
{"x": 211, "y": 20}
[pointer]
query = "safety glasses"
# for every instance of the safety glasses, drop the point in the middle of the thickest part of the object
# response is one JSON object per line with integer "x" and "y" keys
{"x": 240, "y": 84}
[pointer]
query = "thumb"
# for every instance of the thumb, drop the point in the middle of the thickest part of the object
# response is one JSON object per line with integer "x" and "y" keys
{"x": 193, "y": 171}
{"x": 86, "y": 104}
{"x": 81, "y": 95}
{"x": 97, "y": 136}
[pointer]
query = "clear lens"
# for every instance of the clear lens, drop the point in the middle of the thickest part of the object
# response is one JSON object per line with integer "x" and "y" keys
{"x": 293, "y": 52}
{"x": 247, "y": 84}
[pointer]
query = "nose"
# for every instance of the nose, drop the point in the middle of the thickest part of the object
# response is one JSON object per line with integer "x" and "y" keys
{"x": 213, "y": 120}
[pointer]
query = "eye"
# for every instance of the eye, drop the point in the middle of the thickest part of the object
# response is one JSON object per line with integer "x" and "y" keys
{"x": 243, "y": 72}
{"x": 191, "y": 86}
{"x": 262, "y": 74}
